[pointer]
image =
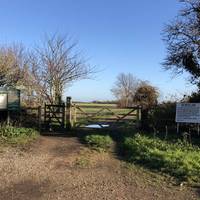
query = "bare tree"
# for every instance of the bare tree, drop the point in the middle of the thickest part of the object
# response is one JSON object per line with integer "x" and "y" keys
{"x": 56, "y": 65}
{"x": 182, "y": 37}
{"x": 13, "y": 64}
{"x": 14, "y": 70}
{"x": 124, "y": 89}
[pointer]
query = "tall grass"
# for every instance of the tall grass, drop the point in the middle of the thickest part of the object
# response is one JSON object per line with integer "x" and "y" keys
{"x": 180, "y": 160}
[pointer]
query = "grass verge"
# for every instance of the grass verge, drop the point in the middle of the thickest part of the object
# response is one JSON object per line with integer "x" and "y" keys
{"x": 180, "y": 160}
{"x": 17, "y": 135}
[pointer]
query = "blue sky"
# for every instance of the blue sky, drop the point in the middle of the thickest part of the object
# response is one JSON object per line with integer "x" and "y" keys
{"x": 117, "y": 35}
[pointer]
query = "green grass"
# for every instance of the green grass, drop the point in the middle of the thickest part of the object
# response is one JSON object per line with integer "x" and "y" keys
{"x": 180, "y": 160}
{"x": 17, "y": 135}
{"x": 99, "y": 142}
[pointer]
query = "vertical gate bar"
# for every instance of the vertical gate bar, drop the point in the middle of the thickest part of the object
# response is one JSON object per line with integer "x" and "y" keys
{"x": 74, "y": 114}
{"x": 138, "y": 117}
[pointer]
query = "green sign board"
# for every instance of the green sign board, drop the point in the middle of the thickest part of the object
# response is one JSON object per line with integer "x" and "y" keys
{"x": 13, "y": 99}
{"x": 9, "y": 99}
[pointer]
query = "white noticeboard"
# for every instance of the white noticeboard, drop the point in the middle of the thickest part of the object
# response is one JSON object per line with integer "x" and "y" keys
{"x": 3, "y": 101}
{"x": 188, "y": 112}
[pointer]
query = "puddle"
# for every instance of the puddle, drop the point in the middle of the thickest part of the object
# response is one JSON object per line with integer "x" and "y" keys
{"x": 97, "y": 126}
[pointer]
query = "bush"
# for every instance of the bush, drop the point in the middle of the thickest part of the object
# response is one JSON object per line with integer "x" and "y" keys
{"x": 163, "y": 114}
{"x": 99, "y": 141}
{"x": 194, "y": 97}
{"x": 11, "y": 134}
{"x": 180, "y": 160}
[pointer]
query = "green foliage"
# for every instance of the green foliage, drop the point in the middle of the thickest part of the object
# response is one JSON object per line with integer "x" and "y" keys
{"x": 99, "y": 141}
{"x": 180, "y": 160}
{"x": 163, "y": 114}
{"x": 11, "y": 134}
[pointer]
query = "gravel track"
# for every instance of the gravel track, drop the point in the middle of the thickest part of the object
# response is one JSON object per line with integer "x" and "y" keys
{"x": 56, "y": 168}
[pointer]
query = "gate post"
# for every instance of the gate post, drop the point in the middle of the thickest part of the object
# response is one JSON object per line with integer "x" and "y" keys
{"x": 69, "y": 113}
{"x": 45, "y": 118}
{"x": 63, "y": 116}
{"x": 39, "y": 118}
{"x": 139, "y": 117}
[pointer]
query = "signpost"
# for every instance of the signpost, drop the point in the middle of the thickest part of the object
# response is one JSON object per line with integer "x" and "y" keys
{"x": 187, "y": 113}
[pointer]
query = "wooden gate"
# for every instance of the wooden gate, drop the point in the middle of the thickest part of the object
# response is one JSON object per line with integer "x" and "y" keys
{"x": 106, "y": 115}
{"x": 54, "y": 117}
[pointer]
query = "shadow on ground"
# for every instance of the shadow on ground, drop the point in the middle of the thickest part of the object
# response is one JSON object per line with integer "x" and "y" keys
{"x": 24, "y": 190}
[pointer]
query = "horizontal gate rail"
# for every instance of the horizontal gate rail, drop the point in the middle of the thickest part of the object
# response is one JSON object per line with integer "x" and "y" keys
{"x": 103, "y": 114}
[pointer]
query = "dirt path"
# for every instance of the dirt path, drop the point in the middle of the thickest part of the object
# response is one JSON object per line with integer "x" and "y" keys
{"x": 62, "y": 168}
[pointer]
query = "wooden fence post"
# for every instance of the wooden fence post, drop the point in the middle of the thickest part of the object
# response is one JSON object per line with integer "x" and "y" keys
{"x": 8, "y": 117}
{"x": 69, "y": 112}
{"x": 74, "y": 115}
{"x": 138, "y": 117}
{"x": 39, "y": 118}
{"x": 45, "y": 113}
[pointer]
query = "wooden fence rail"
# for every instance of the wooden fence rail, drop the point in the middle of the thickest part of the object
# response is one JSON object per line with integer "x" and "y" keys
{"x": 71, "y": 115}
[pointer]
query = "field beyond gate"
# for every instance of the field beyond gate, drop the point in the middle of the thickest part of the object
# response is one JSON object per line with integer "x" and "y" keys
{"x": 84, "y": 114}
